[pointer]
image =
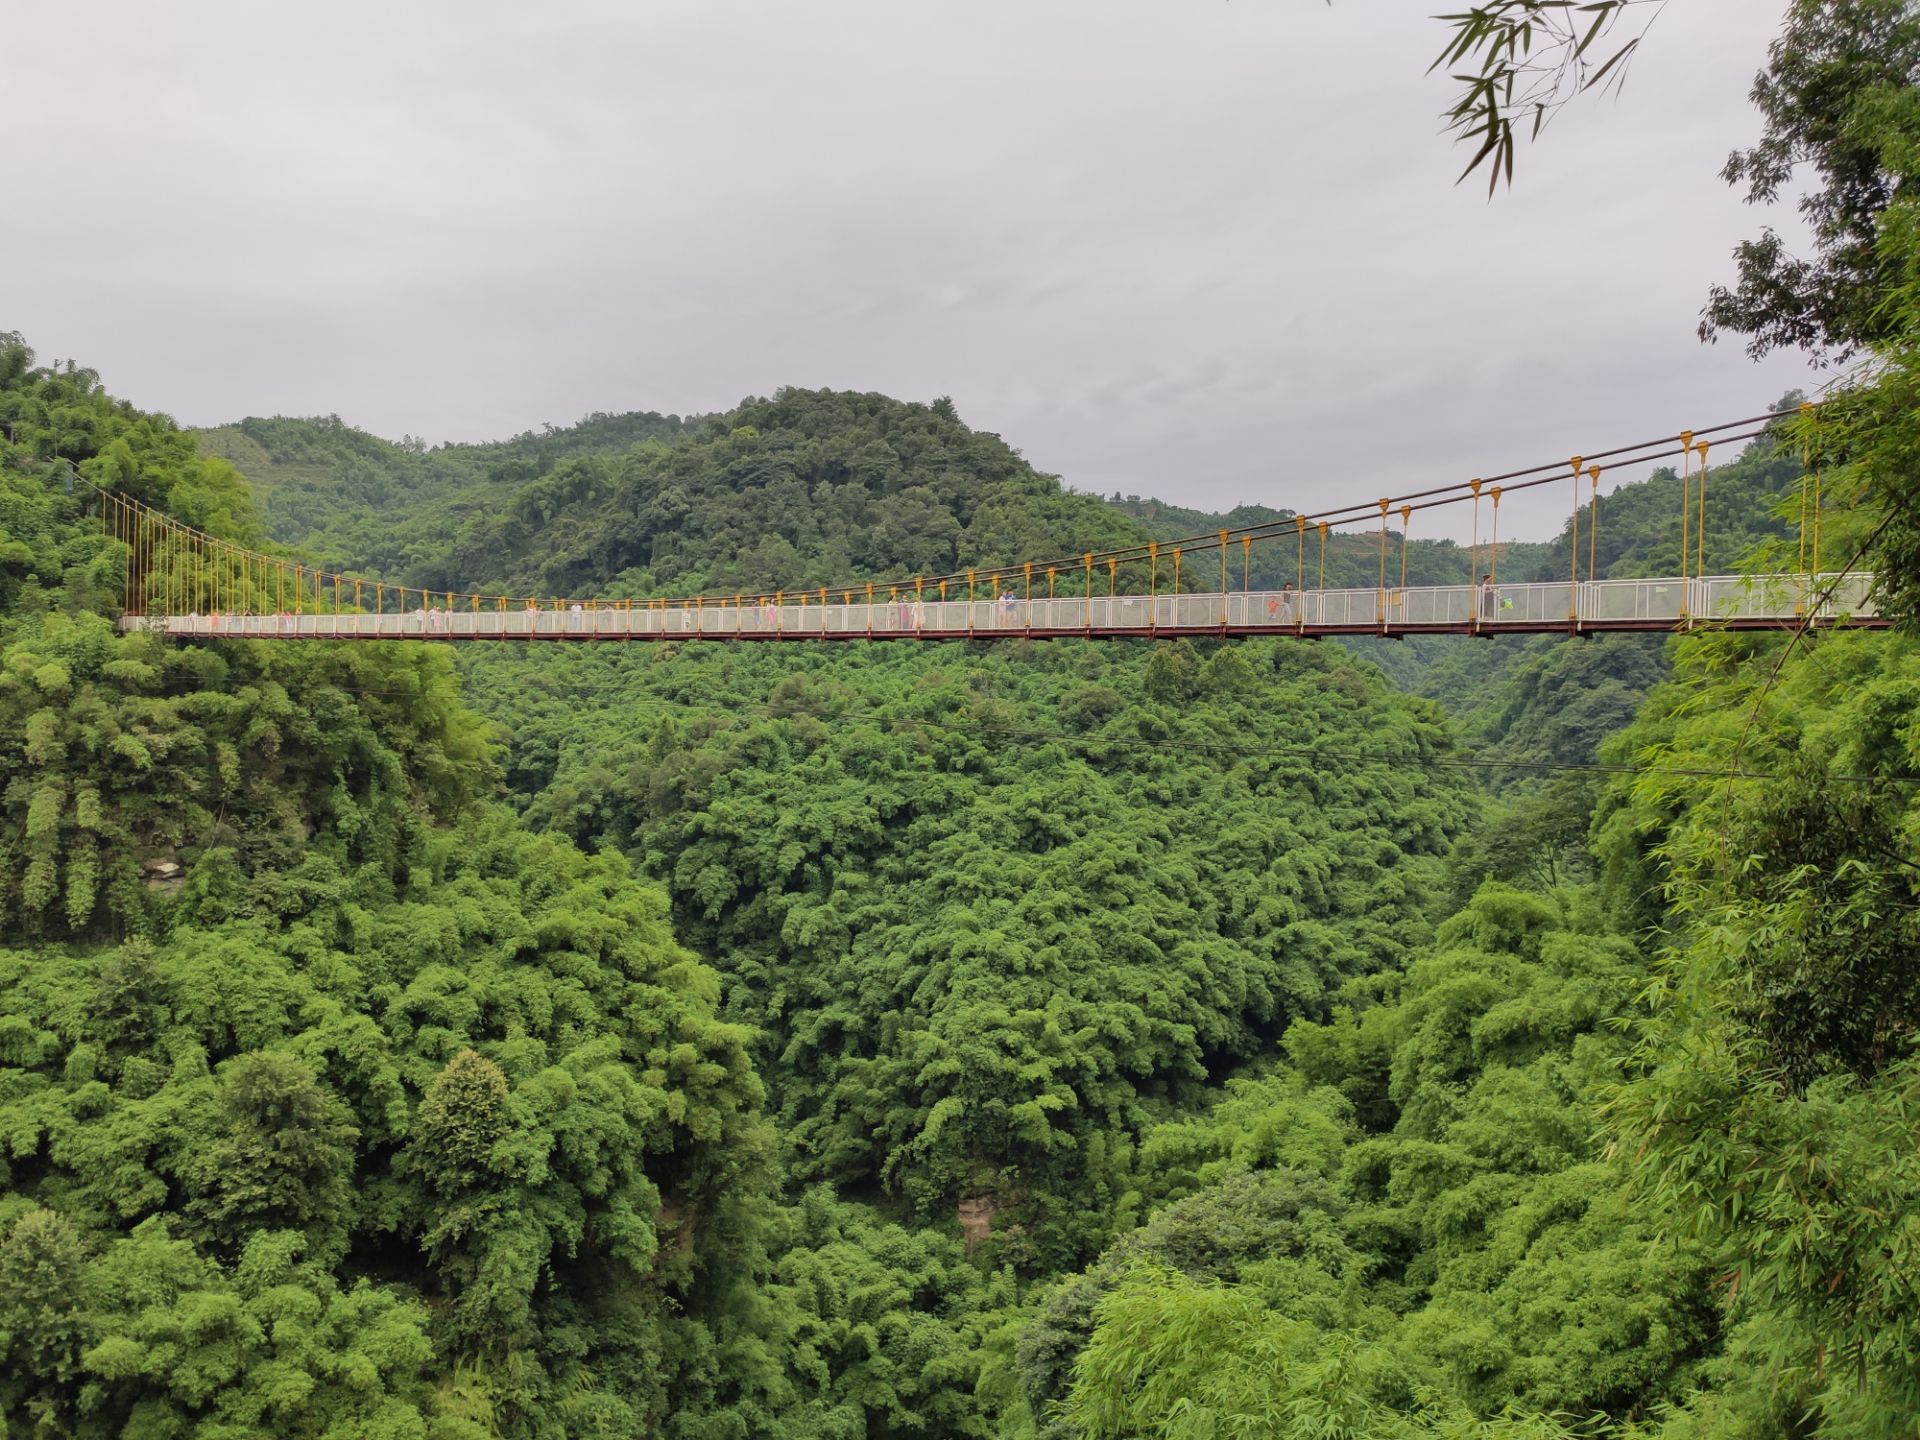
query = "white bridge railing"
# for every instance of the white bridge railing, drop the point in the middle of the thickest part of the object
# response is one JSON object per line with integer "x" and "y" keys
{"x": 1590, "y": 604}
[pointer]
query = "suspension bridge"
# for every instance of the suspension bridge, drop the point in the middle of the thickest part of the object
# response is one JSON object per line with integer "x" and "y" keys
{"x": 181, "y": 581}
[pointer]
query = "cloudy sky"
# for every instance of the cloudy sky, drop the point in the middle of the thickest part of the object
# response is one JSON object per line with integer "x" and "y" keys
{"x": 1209, "y": 250}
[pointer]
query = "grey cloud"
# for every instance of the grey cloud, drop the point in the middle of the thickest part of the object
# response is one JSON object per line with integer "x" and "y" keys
{"x": 1208, "y": 252}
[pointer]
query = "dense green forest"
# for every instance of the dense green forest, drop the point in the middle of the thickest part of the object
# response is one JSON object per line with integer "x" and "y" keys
{"x": 1057, "y": 1040}
{"x": 1027, "y": 1038}
{"x": 815, "y": 487}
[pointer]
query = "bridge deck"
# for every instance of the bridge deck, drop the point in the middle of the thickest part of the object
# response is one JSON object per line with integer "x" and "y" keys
{"x": 1726, "y": 601}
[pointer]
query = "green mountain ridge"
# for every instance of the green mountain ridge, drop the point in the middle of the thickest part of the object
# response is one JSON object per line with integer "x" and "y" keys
{"x": 816, "y": 487}
{"x": 1029, "y": 1039}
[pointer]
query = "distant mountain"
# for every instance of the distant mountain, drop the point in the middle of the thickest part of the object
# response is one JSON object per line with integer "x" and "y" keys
{"x": 820, "y": 487}
{"x": 807, "y": 488}
{"x": 357, "y": 502}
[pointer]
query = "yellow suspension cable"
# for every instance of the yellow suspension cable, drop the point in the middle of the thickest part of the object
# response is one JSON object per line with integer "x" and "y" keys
{"x": 1700, "y": 568}
{"x": 1593, "y": 518}
{"x": 1223, "y": 577}
{"x": 1493, "y": 546}
{"x": 1686, "y": 506}
{"x": 1380, "y": 595}
{"x": 1573, "y": 589}
{"x": 1406, "y": 528}
{"x": 116, "y": 520}
{"x": 1473, "y": 550}
{"x": 1384, "y": 502}
{"x": 1323, "y": 556}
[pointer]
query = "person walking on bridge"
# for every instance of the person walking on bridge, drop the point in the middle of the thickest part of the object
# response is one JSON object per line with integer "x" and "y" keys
{"x": 1489, "y": 597}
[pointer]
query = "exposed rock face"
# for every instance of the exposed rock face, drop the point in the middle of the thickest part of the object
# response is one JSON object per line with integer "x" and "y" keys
{"x": 163, "y": 873}
{"x": 975, "y": 1213}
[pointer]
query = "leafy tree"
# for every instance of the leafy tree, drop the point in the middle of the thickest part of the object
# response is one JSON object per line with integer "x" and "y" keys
{"x": 278, "y": 1156}
{"x": 1831, "y": 78}
{"x": 1777, "y": 1066}
{"x": 298, "y": 1031}
{"x": 1532, "y": 56}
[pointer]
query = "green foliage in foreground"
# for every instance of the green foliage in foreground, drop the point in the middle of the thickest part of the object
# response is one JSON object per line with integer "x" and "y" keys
{"x": 1451, "y": 1237}
{"x": 1076, "y": 882}
{"x": 1771, "y": 1114}
{"x": 384, "y": 1114}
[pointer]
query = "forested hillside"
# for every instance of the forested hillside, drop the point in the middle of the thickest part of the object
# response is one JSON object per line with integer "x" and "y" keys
{"x": 802, "y": 490}
{"x": 1036, "y": 1039}
{"x": 348, "y": 497}
{"x": 1021, "y": 1040}
{"x": 333, "y": 1102}
{"x": 813, "y": 488}
{"x": 1081, "y": 884}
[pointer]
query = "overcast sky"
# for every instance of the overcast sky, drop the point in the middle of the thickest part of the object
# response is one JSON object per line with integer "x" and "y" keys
{"x": 1209, "y": 250}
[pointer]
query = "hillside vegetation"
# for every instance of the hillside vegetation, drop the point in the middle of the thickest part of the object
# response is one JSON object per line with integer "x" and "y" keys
{"x": 1059, "y": 1040}
{"x": 818, "y": 487}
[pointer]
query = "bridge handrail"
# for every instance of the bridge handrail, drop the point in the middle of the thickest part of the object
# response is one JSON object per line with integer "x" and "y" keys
{"x": 1590, "y": 604}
